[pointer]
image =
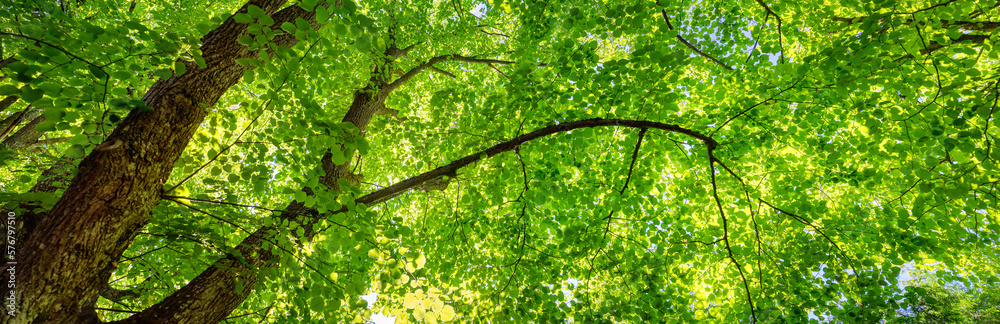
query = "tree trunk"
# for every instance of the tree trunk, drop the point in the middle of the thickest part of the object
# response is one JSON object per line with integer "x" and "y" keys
{"x": 118, "y": 184}
{"x": 212, "y": 295}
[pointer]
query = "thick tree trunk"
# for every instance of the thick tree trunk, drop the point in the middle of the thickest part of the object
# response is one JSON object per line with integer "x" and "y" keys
{"x": 211, "y": 296}
{"x": 118, "y": 184}
{"x": 214, "y": 289}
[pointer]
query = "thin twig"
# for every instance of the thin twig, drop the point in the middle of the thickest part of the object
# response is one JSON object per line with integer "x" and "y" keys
{"x": 686, "y": 43}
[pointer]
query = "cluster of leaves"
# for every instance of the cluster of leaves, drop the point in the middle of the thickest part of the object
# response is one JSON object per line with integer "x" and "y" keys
{"x": 852, "y": 139}
{"x": 927, "y": 300}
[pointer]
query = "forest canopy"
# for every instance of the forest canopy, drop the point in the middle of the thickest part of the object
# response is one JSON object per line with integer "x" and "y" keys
{"x": 533, "y": 161}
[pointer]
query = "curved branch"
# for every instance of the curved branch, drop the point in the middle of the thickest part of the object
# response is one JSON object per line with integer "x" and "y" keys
{"x": 396, "y": 52}
{"x": 451, "y": 169}
{"x": 806, "y": 222}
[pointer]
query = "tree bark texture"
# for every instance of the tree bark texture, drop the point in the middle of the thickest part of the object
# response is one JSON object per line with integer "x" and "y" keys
{"x": 118, "y": 184}
{"x": 8, "y": 124}
{"x": 24, "y": 137}
{"x": 111, "y": 197}
{"x": 7, "y": 101}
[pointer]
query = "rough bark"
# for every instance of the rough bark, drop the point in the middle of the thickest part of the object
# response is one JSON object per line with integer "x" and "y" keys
{"x": 28, "y": 214}
{"x": 24, "y": 137}
{"x": 6, "y": 102}
{"x": 51, "y": 180}
{"x": 213, "y": 291}
{"x": 212, "y": 295}
{"x": 110, "y": 199}
{"x": 8, "y": 124}
{"x": 119, "y": 183}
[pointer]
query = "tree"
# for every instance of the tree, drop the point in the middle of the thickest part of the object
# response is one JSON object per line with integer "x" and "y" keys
{"x": 532, "y": 161}
{"x": 929, "y": 301}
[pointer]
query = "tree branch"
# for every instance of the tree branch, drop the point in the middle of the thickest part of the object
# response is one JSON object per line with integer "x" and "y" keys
{"x": 6, "y": 102}
{"x": 972, "y": 38}
{"x": 24, "y": 137}
{"x": 8, "y": 124}
{"x": 725, "y": 232}
{"x": 438, "y": 70}
{"x": 430, "y": 64}
{"x": 717, "y": 129}
{"x": 781, "y": 47}
{"x": 945, "y": 24}
{"x": 695, "y": 49}
{"x": 451, "y": 169}
{"x": 68, "y": 53}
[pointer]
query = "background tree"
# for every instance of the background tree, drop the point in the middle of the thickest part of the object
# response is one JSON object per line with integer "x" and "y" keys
{"x": 545, "y": 161}
{"x": 929, "y": 301}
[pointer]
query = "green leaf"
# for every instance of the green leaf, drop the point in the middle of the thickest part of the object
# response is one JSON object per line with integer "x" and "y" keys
{"x": 308, "y": 4}
{"x": 35, "y": 57}
{"x": 9, "y": 89}
{"x": 362, "y": 43}
{"x": 200, "y": 61}
{"x": 54, "y": 114}
{"x": 167, "y": 46}
{"x": 243, "y": 18}
{"x": 248, "y": 76}
{"x": 248, "y": 61}
{"x": 45, "y": 126}
{"x": 164, "y": 73}
{"x": 322, "y": 14}
{"x": 337, "y": 156}
{"x": 31, "y": 95}
{"x": 75, "y": 151}
{"x": 18, "y": 67}
{"x": 179, "y": 68}
{"x": 97, "y": 72}
{"x": 245, "y": 40}
{"x": 255, "y": 11}
{"x": 317, "y": 302}
{"x": 288, "y": 27}
{"x": 302, "y": 24}
{"x": 266, "y": 20}
{"x": 340, "y": 29}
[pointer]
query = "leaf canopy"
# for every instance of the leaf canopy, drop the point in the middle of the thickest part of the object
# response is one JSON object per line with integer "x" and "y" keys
{"x": 818, "y": 147}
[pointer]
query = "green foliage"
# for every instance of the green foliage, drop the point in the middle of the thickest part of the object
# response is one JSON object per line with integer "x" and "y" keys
{"x": 854, "y": 137}
{"x": 927, "y": 300}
